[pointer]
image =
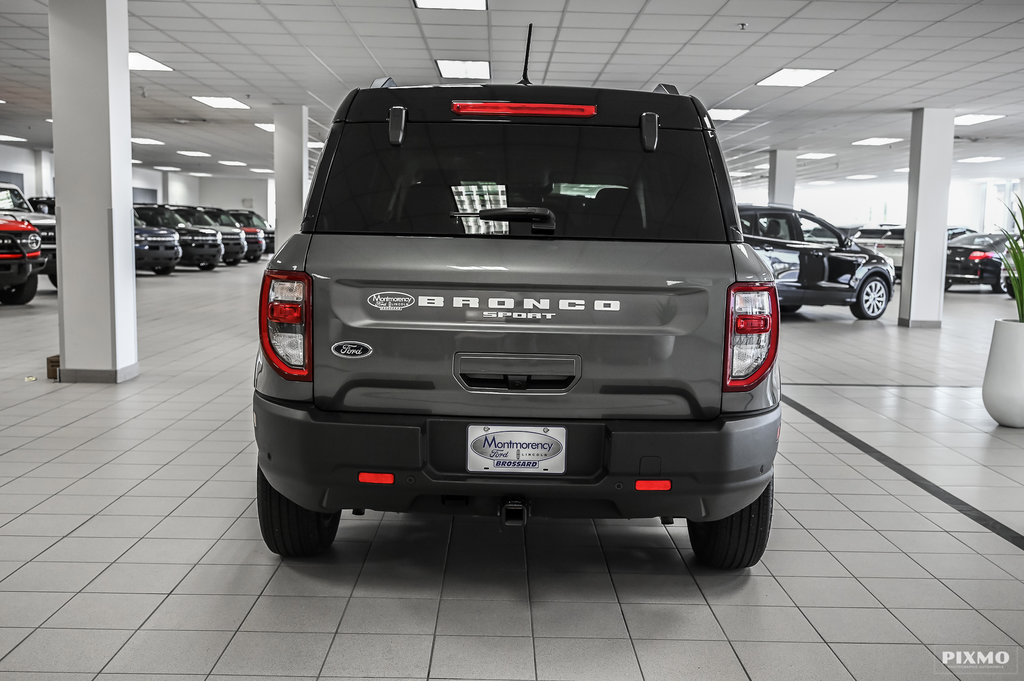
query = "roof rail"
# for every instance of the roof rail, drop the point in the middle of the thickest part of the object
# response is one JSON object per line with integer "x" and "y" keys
{"x": 666, "y": 89}
{"x": 383, "y": 81}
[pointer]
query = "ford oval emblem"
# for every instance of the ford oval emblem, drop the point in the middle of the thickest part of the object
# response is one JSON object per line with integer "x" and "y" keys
{"x": 516, "y": 444}
{"x": 351, "y": 349}
{"x": 389, "y": 301}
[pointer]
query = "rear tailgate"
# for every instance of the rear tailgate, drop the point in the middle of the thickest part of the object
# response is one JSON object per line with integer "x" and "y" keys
{"x": 505, "y": 328}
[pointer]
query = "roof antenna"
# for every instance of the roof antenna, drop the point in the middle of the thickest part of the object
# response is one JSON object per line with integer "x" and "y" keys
{"x": 526, "y": 62}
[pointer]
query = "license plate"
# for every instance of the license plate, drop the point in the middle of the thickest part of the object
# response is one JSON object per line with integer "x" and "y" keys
{"x": 515, "y": 449}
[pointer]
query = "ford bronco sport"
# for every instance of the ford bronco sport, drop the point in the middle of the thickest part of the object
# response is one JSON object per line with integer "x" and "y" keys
{"x": 519, "y": 301}
{"x": 20, "y": 262}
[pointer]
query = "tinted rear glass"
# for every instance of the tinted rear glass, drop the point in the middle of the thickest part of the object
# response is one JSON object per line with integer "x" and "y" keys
{"x": 598, "y": 181}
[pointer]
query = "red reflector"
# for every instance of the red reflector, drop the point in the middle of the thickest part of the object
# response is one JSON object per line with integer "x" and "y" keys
{"x": 653, "y": 485}
{"x": 980, "y": 255}
{"x": 753, "y": 323}
{"x": 524, "y": 109}
{"x": 285, "y": 313}
{"x": 377, "y": 478}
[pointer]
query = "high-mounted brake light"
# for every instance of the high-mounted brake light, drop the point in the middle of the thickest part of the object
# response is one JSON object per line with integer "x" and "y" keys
{"x": 981, "y": 255}
{"x": 285, "y": 323}
{"x": 524, "y": 109}
{"x": 751, "y": 336}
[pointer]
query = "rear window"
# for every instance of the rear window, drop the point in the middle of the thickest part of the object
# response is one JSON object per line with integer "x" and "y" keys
{"x": 598, "y": 182}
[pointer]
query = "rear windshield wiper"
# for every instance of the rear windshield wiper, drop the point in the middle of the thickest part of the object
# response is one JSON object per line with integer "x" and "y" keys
{"x": 541, "y": 219}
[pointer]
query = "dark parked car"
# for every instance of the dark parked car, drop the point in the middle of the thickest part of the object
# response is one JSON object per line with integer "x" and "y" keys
{"x": 21, "y": 260}
{"x": 14, "y": 206}
{"x": 157, "y": 249}
{"x": 233, "y": 238}
{"x": 200, "y": 246}
{"x": 976, "y": 259}
{"x": 250, "y": 218}
{"x": 815, "y": 264}
{"x": 254, "y": 239}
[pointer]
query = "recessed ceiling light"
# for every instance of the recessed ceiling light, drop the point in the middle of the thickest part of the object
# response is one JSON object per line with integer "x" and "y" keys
{"x": 11, "y": 138}
{"x": 821, "y": 183}
{"x": 232, "y": 163}
{"x": 3, "y": 101}
{"x": 794, "y": 77}
{"x": 980, "y": 159}
{"x": 221, "y": 102}
{"x": 473, "y": 70}
{"x": 260, "y": 170}
{"x": 451, "y": 4}
{"x": 196, "y": 154}
{"x": 974, "y": 119}
{"x": 200, "y": 174}
{"x": 762, "y": 166}
{"x": 861, "y": 177}
{"x": 170, "y": 169}
{"x": 902, "y": 170}
{"x": 49, "y": 120}
{"x": 140, "y": 62}
{"x": 135, "y": 161}
{"x": 739, "y": 173}
{"x": 726, "y": 114}
{"x": 876, "y": 141}
{"x": 145, "y": 140}
{"x": 815, "y": 155}
{"x": 314, "y": 145}
{"x": 269, "y": 127}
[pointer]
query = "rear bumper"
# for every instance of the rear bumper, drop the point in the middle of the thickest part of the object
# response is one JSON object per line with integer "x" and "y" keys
{"x": 314, "y": 458}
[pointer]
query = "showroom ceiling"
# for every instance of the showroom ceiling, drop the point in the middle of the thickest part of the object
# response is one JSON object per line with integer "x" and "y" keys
{"x": 888, "y": 57}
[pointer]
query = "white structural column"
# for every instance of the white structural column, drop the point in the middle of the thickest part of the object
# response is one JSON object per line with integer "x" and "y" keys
{"x": 924, "y": 249}
{"x": 291, "y": 168}
{"x": 781, "y": 176}
{"x": 93, "y": 177}
{"x": 44, "y": 172}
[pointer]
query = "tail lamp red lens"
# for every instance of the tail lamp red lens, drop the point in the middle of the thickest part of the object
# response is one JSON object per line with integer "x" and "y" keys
{"x": 524, "y": 109}
{"x": 981, "y": 255}
{"x": 285, "y": 323}
{"x": 752, "y": 335}
{"x": 653, "y": 485}
{"x": 377, "y": 478}
{"x": 33, "y": 254}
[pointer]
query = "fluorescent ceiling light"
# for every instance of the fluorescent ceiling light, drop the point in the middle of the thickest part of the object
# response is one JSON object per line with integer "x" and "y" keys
{"x": 974, "y": 119}
{"x": 145, "y": 140}
{"x": 980, "y": 159}
{"x": 739, "y": 173}
{"x": 474, "y": 70}
{"x": 451, "y": 4}
{"x": 876, "y": 141}
{"x": 200, "y": 174}
{"x": 815, "y": 155}
{"x": 902, "y": 170}
{"x": 196, "y": 154}
{"x": 269, "y": 127}
{"x": 135, "y": 161}
{"x": 861, "y": 177}
{"x": 238, "y": 164}
{"x": 821, "y": 183}
{"x": 260, "y": 170}
{"x": 3, "y": 101}
{"x": 314, "y": 145}
{"x": 795, "y": 77}
{"x": 762, "y": 166}
{"x": 49, "y": 120}
{"x": 140, "y": 62}
{"x": 11, "y": 138}
{"x": 726, "y": 114}
{"x": 221, "y": 102}
{"x": 170, "y": 169}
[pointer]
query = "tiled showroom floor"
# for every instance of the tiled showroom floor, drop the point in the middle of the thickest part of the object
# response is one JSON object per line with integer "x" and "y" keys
{"x": 129, "y": 547}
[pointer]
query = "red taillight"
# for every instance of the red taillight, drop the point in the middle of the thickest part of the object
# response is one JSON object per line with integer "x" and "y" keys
{"x": 981, "y": 255}
{"x": 751, "y": 336}
{"x": 286, "y": 324}
{"x": 377, "y": 478}
{"x": 653, "y": 485}
{"x": 524, "y": 109}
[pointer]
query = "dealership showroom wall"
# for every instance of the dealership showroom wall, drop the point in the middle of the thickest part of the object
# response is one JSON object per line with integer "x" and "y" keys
{"x": 130, "y": 544}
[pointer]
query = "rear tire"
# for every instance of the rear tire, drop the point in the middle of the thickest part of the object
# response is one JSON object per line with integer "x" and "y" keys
{"x": 53, "y": 278}
{"x": 22, "y": 293}
{"x": 872, "y": 299}
{"x": 789, "y": 309}
{"x": 998, "y": 287}
{"x": 287, "y": 528}
{"x": 736, "y": 541}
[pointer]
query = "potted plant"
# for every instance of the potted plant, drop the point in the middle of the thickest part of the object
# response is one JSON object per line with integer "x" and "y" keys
{"x": 1003, "y": 388}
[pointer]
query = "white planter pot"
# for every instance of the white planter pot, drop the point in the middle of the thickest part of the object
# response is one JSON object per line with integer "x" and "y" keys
{"x": 1003, "y": 389}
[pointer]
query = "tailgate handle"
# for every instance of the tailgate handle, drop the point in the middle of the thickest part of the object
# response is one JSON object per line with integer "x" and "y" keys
{"x": 517, "y": 373}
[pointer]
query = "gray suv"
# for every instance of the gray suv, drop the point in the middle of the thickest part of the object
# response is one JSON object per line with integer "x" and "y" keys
{"x": 519, "y": 301}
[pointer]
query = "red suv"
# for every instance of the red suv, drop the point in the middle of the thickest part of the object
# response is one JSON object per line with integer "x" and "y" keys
{"x": 20, "y": 261}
